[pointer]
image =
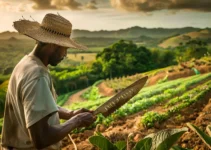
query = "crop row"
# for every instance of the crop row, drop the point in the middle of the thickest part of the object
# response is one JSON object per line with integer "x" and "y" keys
{"x": 197, "y": 93}
{"x": 147, "y": 92}
{"x": 145, "y": 103}
{"x": 159, "y": 88}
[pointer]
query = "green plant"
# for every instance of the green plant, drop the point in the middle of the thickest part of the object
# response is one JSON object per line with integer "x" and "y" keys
{"x": 64, "y": 97}
{"x": 104, "y": 144}
{"x": 1, "y": 123}
{"x": 150, "y": 118}
{"x": 162, "y": 140}
{"x": 93, "y": 92}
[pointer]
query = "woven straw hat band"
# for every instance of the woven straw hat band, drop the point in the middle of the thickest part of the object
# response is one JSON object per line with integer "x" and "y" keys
{"x": 56, "y": 24}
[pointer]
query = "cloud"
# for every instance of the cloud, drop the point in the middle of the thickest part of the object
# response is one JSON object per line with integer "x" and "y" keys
{"x": 6, "y": 6}
{"x": 153, "y": 5}
{"x": 56, "y": 4}
{"x": 11, "y": 6}
{"x": 91, "y": 5}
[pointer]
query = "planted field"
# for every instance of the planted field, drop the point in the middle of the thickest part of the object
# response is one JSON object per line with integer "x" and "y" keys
{"x": 82, "y": 57}
{"x": 153, "y": 107}
{"x": 164, "y": 74}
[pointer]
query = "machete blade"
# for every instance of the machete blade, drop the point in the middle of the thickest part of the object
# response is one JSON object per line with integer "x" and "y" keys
{"x": 121, "y": 98}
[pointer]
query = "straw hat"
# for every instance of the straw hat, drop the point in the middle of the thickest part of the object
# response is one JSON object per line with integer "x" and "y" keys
{"x": 53, "y": 29}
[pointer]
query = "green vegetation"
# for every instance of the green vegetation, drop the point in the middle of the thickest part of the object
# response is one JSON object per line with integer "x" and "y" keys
{"x": 125, "y": 58}
{"x": 184, "y": 101}
{"x": 1, "y": 124}
{"x": 93, "y": 92}
{"x": 150, "y": 96}
{"x": 150, "y": 118}
{"x": 161, "y": 140}
{"x": 3, "y": 90}
{"x": 182, "y": 39}
{"x": 13, "y": 50}
{"x": 61, "y": 99}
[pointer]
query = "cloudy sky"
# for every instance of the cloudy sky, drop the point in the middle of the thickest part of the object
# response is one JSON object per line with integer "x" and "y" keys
{"x": 111, "y": 14}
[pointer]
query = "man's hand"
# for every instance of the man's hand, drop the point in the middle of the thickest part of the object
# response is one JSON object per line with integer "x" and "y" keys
{"x": 84, "y": 119}
{"x": 82, "y": 110}
{"x": 67, "y": 114}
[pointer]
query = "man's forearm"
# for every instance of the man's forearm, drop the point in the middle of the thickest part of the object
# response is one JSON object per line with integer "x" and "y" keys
{"x": 64, "y": 113}
{"x": 44, "y": 134}
{"x": 57, "y": 133}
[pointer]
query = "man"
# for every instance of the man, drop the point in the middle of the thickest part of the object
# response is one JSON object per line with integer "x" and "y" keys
{"x": 31, "y": 117}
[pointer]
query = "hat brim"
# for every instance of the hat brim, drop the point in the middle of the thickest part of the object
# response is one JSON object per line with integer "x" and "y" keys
{"x": 33, "y": 30}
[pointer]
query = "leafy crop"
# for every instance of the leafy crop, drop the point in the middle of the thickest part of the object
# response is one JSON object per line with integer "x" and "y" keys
{"x": 93, "y": 92}
{"x": 161, "y": 140}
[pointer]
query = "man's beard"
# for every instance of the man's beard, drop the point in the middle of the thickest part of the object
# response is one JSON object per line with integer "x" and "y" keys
{"x": 55, "y": 62}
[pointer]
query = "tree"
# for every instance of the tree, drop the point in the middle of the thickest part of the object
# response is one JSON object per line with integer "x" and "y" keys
{"x": 122, "y": 58}
{"x": 195, "y": 49}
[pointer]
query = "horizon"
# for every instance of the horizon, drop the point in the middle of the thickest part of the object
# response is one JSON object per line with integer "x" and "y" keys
{"x": 110, "y": 15}
{"x": 14, "y": 31}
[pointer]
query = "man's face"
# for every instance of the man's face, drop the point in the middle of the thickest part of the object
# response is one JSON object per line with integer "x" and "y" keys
{"x": 57, "y": 55}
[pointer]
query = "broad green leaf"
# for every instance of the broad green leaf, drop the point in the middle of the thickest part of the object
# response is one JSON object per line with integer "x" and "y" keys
{"x": 179, "y": 148}
{"x": 169, "y": 141}
{"x": 159, "y": 137}
{"x": 144, "y": 144}
{"x": 102, "y": 143}
{"x": 205, "y": 138}
{"x": 121, "y": 145}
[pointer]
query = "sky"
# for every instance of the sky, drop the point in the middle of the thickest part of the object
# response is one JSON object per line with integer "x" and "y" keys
{"x": 95, "y": 15}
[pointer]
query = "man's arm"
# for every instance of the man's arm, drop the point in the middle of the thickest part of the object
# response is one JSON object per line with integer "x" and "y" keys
{"x": 44, "y": 135}
{"x": 67, "y": 114}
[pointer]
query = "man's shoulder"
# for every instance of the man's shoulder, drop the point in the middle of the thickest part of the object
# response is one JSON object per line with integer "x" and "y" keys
{"x": 30, "y": 68}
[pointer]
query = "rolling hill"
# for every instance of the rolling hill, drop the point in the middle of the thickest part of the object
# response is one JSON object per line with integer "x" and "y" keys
{"x": 204, "y": 35}
{"x": 149, "y": 37}
{"x": 133, "y": 32}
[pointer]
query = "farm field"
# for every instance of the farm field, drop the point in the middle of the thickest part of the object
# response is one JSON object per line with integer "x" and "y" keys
{"x": 124, "y": 41}
{"x": 172, "y": 97}
{"x": 82, "y": 57}
{"x": 166, "y": 105}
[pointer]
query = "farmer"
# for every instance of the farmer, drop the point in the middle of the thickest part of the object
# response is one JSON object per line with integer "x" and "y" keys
{"x": 31, "y": 117}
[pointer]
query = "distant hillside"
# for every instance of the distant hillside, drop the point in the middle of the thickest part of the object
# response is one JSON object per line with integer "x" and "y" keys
{"x": 182, "y": 39}
{"x": 8, "y": 35}
{"x": 133, "y": 32}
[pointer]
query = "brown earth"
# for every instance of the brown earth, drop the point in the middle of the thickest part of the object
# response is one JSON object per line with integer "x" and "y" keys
{"x": 105, "y": 90}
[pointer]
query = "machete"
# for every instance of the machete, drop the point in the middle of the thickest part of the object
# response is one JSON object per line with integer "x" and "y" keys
{"x": 121, "y": 98}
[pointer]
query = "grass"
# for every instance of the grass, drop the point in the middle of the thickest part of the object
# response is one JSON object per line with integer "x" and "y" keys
{"x": 4, "y": 78}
